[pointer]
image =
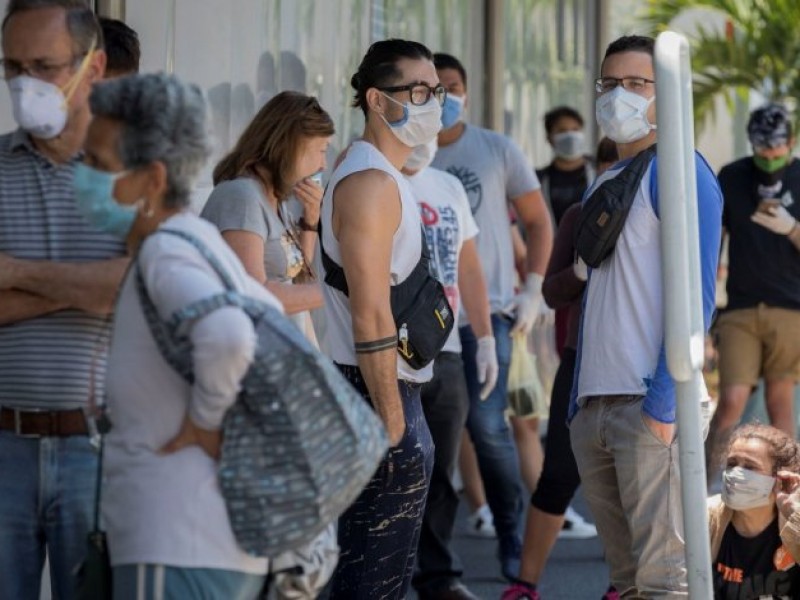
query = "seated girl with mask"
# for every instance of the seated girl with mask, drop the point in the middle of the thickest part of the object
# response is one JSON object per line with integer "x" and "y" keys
{"x": 755, "y": 524}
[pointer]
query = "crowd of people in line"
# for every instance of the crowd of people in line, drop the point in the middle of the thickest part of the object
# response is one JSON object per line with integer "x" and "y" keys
{"x": 105, "y": 160}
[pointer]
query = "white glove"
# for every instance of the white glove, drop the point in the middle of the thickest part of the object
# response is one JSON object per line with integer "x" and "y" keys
{"x": 486, "y": 361}
{"x": 526, "y": 304}
{"x": 706, "y": 411}
{"x": 777, "y": 220}
{"x": 580, "y": 269}
{"x": 705, "y": 414}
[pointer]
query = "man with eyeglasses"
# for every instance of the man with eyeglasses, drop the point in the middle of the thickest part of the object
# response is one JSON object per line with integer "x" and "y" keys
{"x": 622, "y": 410}
{"x": 58, "y": 278}
{"x": 371, "y": 228}
{"x": 496, "y": 176}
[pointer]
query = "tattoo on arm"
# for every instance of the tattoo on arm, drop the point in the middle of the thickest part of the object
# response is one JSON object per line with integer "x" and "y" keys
{"x": 386, "y": 343}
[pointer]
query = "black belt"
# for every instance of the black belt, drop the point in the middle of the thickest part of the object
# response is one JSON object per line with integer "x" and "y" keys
{"x": 44, "y": 423}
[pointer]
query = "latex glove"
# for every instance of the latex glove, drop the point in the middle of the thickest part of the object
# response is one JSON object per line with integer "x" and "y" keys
{"x": 777, "y": 220}
{"x": 486, "y": 361}
{"x": 706, "y": 411}
{"x": 525, "y": 305}
{"x": 580, "y": 269}
{"x": 705, "y": 414}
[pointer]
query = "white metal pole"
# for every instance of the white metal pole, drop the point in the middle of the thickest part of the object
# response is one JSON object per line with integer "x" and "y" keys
{"x": 683, "y": 304}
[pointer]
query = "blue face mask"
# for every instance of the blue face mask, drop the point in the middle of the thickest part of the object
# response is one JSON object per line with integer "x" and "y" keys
{"x": 94, "y": 194}
{"x": 451, "y": 111}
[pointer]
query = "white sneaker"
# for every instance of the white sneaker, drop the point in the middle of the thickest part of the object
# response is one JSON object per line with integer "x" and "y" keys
{"x": 481, "y": 523}
{"x": 576, "y": 527}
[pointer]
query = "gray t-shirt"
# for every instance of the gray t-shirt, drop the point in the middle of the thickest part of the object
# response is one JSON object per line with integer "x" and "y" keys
{"x": 493, "y": 171}
{"x": 239, "y": 204}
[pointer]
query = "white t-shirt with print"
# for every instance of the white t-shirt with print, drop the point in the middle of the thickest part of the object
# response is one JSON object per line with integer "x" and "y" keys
{"x": 448, "y": 223}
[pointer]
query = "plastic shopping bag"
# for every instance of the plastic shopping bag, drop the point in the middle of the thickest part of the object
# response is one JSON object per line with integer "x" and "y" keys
{"x": 526, "y": 397}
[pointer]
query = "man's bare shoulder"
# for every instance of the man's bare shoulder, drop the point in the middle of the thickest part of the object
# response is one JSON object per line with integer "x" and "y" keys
{"x": 367, "y": 183}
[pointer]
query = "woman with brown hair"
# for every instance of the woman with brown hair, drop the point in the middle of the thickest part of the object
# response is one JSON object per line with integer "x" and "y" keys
{"x": 275, "y": 158}
{"x": 755, "y": 524}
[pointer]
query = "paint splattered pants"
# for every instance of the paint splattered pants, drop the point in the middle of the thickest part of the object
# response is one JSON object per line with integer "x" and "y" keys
{"x": 378, "y": 534}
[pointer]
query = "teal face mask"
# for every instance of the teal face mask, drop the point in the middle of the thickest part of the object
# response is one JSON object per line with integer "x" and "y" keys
{"x": 94, "y": 194}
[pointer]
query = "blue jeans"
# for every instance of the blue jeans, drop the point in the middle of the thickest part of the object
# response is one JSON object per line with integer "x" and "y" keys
{"x": 379, "y": 533}
{"x": 490, "y": 433}
{"x": 47, "y": 490}
{"x": 159, "y": 582}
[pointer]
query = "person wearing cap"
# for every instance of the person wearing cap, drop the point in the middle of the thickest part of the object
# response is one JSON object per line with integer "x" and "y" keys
{"x": 759, "y": 330}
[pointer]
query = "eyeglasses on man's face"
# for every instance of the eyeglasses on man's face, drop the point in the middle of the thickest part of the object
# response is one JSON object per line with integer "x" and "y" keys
{"x": 419, "y": 93}
{"x": 632, "y": 84}
{"x": 45, "y": 70}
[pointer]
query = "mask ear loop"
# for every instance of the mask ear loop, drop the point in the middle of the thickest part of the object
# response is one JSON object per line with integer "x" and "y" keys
{"x": 72, "y": 85}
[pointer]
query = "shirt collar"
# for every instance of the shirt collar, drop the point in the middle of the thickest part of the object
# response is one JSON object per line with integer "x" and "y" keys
{"x": 21, "y": 139}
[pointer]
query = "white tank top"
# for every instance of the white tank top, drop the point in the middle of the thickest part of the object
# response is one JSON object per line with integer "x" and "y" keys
{"x": 337, "y": 333}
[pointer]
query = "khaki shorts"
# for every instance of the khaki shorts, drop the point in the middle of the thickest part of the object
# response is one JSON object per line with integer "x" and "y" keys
{"x": 758, "y": 342}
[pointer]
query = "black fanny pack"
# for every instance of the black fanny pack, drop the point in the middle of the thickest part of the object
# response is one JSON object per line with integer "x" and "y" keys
{"x": 603, "y": 215}
{"x": 420, "y": 309}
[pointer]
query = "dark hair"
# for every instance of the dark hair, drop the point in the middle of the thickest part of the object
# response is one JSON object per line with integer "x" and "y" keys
{"x": 554, "y": 115}
{"x": 607, "y": 151}
{"x": 447, "y": 61}
{"x": 631, "y": 43}
{"x": 270, "y": 145}
{"x": 769, "y": 126}
{"x": 783, "y": 449}
{"x": 122, "y": 46}
{"x": 82, "y": 23}
{"x": 378, "y": 68}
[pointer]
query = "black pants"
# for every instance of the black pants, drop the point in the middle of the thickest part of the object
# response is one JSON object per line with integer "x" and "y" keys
{"x": 379, "y": 533}
{"x": 446, "y": 402}
{"x": 559, "y": 478}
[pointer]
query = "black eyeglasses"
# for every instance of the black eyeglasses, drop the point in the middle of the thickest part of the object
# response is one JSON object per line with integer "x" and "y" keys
{"x": 632, "y": 84}
{"x": 419, "y": 93}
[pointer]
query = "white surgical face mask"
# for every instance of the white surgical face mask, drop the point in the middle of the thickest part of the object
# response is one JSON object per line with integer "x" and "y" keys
{"x": 743, "y": 489}
{"x": 569, "y": 145}
{"x": 422, "y": 156}
{"x": 39, "y": 107}
{"x": 622, "y": 115}
{"x": 419, "y": 124}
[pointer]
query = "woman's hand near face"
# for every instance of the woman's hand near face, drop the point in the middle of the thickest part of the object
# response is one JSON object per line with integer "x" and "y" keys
{"x": 788, "y": 497}
{"x": 309, "y": 194}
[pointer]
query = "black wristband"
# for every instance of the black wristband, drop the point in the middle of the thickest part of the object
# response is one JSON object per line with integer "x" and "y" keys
{"x": 386, "y": 343}
{"x": 305, "y": 226}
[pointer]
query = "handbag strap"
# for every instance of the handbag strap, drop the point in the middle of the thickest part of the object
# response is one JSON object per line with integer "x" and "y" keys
{"x": 174, "y": 346}
{"x": 335, "y": 277}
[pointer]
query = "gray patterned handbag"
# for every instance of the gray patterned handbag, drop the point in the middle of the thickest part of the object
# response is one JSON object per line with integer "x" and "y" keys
{"x": 299, "y": 443}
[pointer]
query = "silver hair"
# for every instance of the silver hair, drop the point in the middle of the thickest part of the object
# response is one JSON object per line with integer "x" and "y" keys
{"x": 163, "y": 120}
{"x": 82, "y": 23}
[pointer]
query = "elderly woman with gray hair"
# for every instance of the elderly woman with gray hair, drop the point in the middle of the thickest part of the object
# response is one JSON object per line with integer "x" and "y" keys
{"x": 168, "y": 530}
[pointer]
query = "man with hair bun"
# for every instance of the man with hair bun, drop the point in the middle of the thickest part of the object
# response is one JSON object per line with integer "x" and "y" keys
{"x": 371, "y": 228}
{"x": 58, "y": 280}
